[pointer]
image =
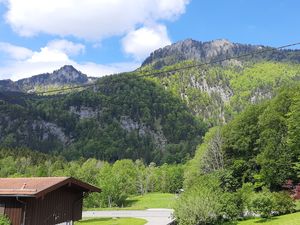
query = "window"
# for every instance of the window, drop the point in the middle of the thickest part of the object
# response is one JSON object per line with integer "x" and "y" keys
{"x": 2, "y": 207}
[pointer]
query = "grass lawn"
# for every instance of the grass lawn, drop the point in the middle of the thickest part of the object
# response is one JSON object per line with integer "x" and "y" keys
{"x": 290, "y": 219}
{"x": 112, "y": 221}
{"x": 152, "y": 200}
{"x": 147, "y": 201}
{"x": 298, "y": 205}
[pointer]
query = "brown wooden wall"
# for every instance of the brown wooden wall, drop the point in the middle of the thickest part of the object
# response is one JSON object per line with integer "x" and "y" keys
{"x": 59, "y": 206}
{"x": 13, "y": 209}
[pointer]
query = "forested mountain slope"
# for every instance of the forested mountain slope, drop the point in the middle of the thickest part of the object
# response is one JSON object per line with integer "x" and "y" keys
{"x": 260, "y": 146}
{"x": 160, "y": 119}
{"x": 216, "y": 93}
{"x": 120, "y": 117}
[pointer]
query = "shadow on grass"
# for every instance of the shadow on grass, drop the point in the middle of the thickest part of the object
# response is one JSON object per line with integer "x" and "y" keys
{"x": 260, "y": 221}
{"x": 129, "y": 203}
{"x": 263, "y": 220}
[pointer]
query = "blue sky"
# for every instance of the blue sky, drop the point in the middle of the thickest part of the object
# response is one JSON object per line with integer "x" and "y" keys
{"x": 107, "y": 36}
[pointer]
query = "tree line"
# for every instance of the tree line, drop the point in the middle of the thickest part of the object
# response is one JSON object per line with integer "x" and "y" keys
{"x": 117, "y": 180}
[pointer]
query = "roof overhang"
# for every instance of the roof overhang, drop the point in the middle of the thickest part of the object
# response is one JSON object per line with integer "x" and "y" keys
{"x": 40, "y": 192}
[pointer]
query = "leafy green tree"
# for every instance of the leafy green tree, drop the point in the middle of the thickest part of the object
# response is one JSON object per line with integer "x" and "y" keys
{"x": 260, "y": 145}
{"x": 169, "y": 178}
{"x": 117, "y": 182}
{"x": 4, "y": 220}
{"x": 275, "y": 157}
{"x": 209, "y": 157}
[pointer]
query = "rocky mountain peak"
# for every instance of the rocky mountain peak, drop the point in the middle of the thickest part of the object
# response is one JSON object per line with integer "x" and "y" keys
{"x": 66, "y": 75}
{"x": 190, "y": 43}
{"x": 220, "y": 44}
{"x": 8, "y": 85}
{"x": 67, "y": 70}
{"x": 190, "y": 49}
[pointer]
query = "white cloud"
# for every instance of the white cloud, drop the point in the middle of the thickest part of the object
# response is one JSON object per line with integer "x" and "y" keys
{"x": 66, "y": 46}
{"x": 15, "y": 52}
{"x": 88, "y": 19}
{"x": 48, "y": 59}
{"x": 47, "y": 54}
{"x": 141, "y": 42}
{"x": 57, "y": 51}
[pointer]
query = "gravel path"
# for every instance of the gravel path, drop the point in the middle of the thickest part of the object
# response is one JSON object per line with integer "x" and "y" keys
{"x": 153, "y": 216}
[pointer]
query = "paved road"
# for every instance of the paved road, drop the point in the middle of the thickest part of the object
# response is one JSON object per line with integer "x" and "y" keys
{"x": 153, "y": 216}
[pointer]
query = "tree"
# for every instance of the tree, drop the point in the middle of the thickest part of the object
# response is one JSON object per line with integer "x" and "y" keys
{"x": 4, "y": 220}
{"x": 209, "y": 157}
{"x": 117, "y": 182}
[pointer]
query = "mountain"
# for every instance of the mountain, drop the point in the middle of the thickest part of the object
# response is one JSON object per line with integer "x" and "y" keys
{"x": 8, "y": 85}
{"x": 64, "y": 77}
{"x": 119, "y": 117}
{"x": 161, "y": 118}
{"x": 217, "y": 92}
{"x": 214, "y": 50}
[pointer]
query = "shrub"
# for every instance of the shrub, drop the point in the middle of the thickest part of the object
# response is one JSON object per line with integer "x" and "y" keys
{"x": 267, "y": 204}
{"x": 4, "y": 220}
{"x": 263, "y": 204}
{"x": 199, "y": 204}
{"x": 206, "y": 203}
{"x": 244, "y": 197}
{"x": 284, "y": 204}
{"x": 230, "y": 205}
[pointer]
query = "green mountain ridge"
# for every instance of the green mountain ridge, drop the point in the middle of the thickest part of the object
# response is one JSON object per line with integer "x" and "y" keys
{"x": 119, "y": 118}
{"x": 216, "y": 93}
{"x": 160, "y": 119}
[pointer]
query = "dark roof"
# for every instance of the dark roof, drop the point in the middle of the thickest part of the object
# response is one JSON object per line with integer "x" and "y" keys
{"x": 39, "y": 186}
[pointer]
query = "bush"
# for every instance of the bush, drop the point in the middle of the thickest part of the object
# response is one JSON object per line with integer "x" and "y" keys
{"x": 206, "y": 203}
{"x": 244, "y": 197}
{"x": 230, "y": 203}
{"x": 199, "y": 204}
{"x": 267, "y": 204}
{"x": 4, "y": 220}
{"x": 284, "y": 204}
{"x": 263, "y": 204}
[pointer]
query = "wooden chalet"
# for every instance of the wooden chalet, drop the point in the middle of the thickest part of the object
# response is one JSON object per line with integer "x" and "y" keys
{"x": 43, "y": 200}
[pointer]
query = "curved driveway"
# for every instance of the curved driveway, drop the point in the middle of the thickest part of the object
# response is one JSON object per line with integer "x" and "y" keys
{"x": 153, "y": 216}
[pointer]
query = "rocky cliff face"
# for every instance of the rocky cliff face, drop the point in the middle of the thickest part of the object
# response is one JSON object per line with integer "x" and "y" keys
{"x": 213, "y": 50}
